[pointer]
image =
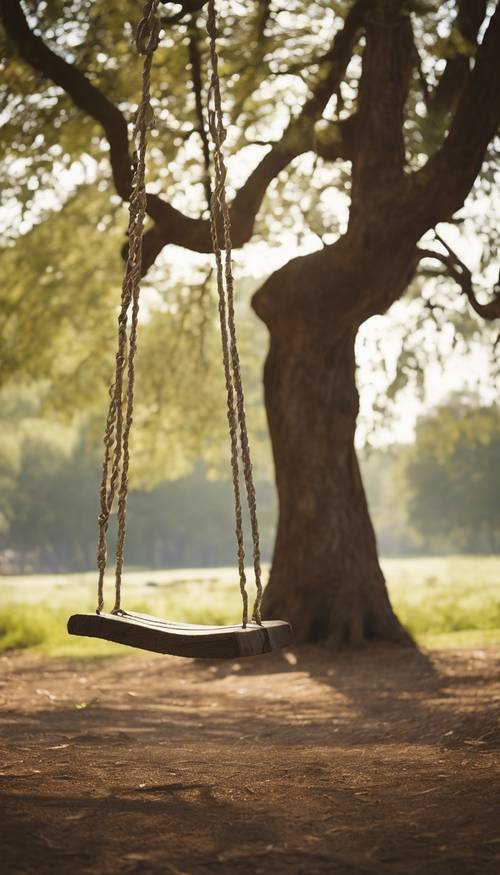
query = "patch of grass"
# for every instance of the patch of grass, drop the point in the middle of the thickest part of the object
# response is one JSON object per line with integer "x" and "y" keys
{"x": 446, "y": 595}
{"x": 443, "y": 601}
{"x": 36, "y": 608}
{"x": 472, "y": 638}
{"x": 20, "y": 629}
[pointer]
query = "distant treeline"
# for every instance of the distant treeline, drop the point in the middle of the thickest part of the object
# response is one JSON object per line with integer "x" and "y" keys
{"x": 438, "y": 495}
{"x": 181, "y": 523}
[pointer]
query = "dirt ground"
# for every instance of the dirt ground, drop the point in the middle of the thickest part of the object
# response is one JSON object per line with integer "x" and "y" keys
{"x": 299, "y": 762}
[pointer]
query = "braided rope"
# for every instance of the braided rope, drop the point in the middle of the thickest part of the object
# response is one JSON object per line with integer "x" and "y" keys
{"x": 117, "y": 433}
{"x": 119, "y": 421}
{"x": 236, "y": 415}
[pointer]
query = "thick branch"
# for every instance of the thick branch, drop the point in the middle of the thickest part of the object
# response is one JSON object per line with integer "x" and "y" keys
{"x": 175, "y": 226}
{"x": 172, "y": 226}
{"x": 83, "y": 94}
{"x": 299, "y": 136}
{"x": 458, "y": 271}
{"x": 379, "y": 154}
{"x": 440, "y": 188}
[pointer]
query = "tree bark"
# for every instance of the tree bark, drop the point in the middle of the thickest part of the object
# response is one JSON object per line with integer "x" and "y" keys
{"x": 325, "y": 576}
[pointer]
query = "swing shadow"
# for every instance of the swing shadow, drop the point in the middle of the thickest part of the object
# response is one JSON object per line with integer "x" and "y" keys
{"x": 375, "y": 681}
{"x": 127, "y": 833}
{"x": 135, "y": 820}
{"x": 161, "y": 781}
{"x": 375, "y": 699}
{"x": 88, "y": 833}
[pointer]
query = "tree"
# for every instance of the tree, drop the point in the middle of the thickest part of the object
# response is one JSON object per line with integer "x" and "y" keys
{"x": 48, "y": 502}
{"x": 407, "y": 98}
{"x": 454, "y": 476}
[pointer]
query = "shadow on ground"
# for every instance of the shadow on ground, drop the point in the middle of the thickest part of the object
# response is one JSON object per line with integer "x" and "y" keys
{"x": 378, "y": 762}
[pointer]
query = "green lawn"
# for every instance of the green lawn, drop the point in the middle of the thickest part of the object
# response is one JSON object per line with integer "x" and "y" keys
{"x": 445, "y": 602}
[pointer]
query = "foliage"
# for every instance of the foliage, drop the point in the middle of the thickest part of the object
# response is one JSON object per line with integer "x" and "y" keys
{"x": 180, "y": 399}
{"x": 436, "y": 496}
{"x": 64, "y": 225}
{"x": 57, "y": 305}
{"x": 384, "y": 478}
{"x": 21, "y": 629}
{"x": 50, "y": 474}
{"x": 454, "y": 476}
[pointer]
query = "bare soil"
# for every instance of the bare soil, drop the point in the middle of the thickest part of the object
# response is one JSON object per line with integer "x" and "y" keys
{"x": 300, "y": 762}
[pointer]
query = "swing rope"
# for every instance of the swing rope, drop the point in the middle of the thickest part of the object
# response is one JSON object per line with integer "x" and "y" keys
{"x": 236, "y": 411}
{"x": 121, "y": 406}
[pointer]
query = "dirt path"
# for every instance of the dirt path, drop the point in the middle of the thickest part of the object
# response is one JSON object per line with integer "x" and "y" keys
{"x": 293, "y": 763}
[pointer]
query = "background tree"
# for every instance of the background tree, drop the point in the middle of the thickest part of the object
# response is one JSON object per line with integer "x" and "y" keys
{"x": 49, "y": 475}
{"x": 454, "y": 476}
{"x": 437, "y": 495}
{"x": 407, "y": 101}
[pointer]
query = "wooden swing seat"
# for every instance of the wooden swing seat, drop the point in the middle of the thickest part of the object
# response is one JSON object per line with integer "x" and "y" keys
{"x": 183, "y": 639}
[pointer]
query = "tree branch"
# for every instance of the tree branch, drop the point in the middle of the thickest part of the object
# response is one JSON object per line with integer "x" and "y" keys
{"x": 175, "y": 226}
{"x": 336, "y": 140}
{"x": 264, "y": 13}
{"x": 299, "y": 137}
{"x": 84, "y": 95}
{"x": 458, "y": 271}
{"x": 172, "y": 226}
{"x": 468, "y": 22}
{"x": 439, "y": 189}
{"x": 379, "y": 153}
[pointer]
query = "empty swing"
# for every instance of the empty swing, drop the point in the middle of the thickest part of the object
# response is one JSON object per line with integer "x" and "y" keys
{"x": 253, "y": 636}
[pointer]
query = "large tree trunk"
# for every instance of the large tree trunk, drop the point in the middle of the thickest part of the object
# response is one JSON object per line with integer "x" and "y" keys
{"x": 325, "y": 575}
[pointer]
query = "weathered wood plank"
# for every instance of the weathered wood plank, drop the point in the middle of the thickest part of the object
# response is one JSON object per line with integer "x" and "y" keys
{"x": 162, "y": 636}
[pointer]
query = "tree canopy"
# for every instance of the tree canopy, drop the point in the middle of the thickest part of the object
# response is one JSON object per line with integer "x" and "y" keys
{"x": 292, "y": 90}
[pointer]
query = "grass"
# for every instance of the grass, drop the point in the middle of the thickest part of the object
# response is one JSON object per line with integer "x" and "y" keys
{"x": 443, "y": 601}
{"x": 35, "y": 608}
